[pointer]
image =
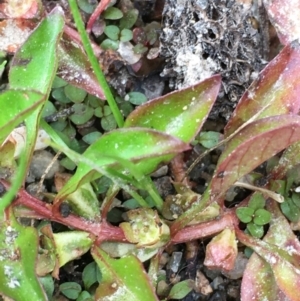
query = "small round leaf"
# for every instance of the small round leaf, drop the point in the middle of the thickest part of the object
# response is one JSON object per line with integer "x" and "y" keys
{"x": 70, "y": 289}
{"x": 108, "y": 123}
{"x": 136, "y": 98}
{"x": 262, "y": 217}
{"x": 255, "y": 230}
{"x": 112, "y": 13}
{"x": 257, "y": 201}
{"x": 209, "y": 139}
{"x": 181, "y": 289}
{"x": 91, "y": 274}
{"x": 245, "y": 214}
{"x": 75, "y": 94}
{"x": 91, "y": 137}
{"x": 129, "y": 18}
{"x": 126, "y": 35}
{"x": 112, "y": 32}
{"x": 109, "y": 44}
{"x": 83, "y": 114}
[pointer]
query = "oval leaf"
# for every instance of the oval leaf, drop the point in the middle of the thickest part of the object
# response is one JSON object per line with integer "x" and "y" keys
{"x": 252, "y": 146}
{"x": 120, "y": 278}
{"x": 181, "y": 113}
{"x": 275, "y": 92}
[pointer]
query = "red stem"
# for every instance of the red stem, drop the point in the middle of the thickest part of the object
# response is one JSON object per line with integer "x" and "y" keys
{"x": 228, "y": 220}
{"x": 101, "y": 230}
{"x": 97, "y": 12}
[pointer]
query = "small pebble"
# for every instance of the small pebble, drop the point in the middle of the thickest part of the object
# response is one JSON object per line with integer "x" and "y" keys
{"x": 36, "y": 190}
{"x": 162, "y": 171}
{"x": 202, "y": 284}
{"x": 233, "y": 291}
{"x": 216, "y": 282}
{"x": 40, "y": 161}
{"x": 174, "y": 261}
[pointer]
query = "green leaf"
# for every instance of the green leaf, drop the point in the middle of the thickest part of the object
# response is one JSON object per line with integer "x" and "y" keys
{"x": 59, "y": 95}
{"x": 245, "y": 214}
{"x": 82, "y": 114}
{"x": 112, "y": 13}
{"x": 290, "y": 210}
{"x": 48, "y": 285}
{"x": 136, "y": 98}
{"x": 84, "y": 202}
{"x": 58, "y": 83}
{"x": 49, "y": 109}
{"x": 85, "y": 296}
{"x": 34, "y": 67}
{"x": 91, "y": 137}
{"x": 19, "y": 246}
{"x": 136, "y": 144}
{"x": 112, "y": 31}
{"x": 257, "y": 201}
{"x": 91, "y": 274}
{"x": 16, "y": 105}
{"x": 129, "y": 18}
{"x": 108, "y": 123}
{"x": 109, "y": 44}
{"x": 75, "y": 94}
{"x": 34, "y": 64}
{"x": 181, "y": 113}
{"x": 71, "y": 245}
{"x": 255, "y": 230}
{"x": 126, "y": 35}
{"x": 70, "y": 289}
{"x": 209, "y": 139}
{"x": 181, "y": 289}
{"x": 261, "y": 217}
{"x": 122, "y": 279}
{"x": 296, "y": 199}
{"x": 86, "y": 6}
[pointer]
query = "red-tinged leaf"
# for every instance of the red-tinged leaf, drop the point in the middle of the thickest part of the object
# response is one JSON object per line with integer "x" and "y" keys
{"x": 258, "y": 279}
{"x": 259, "y": 283}
{"x": 286, "y": 275}
{"x": 181, "y": 113}
{"x": 19, "y": 248}
{"x": 275, "y": 92}
{"x": 122, "y": 279}
{"x": 289, "y": 159}
{"x": 221, "y": 251}
{"x": 75, "y": 67}
{"x": 253, "y": 145}
{"x": 285, "y": 17}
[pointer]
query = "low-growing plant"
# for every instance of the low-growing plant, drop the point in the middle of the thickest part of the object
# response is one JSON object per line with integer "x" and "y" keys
{"x": 264, "y": 123}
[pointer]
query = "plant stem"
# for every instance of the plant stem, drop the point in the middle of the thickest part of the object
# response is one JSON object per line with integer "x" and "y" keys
{"x": 98, "y": 72}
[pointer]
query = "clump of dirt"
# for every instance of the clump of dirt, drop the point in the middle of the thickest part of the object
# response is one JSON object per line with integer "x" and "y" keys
{"x": 203, "y": 37}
